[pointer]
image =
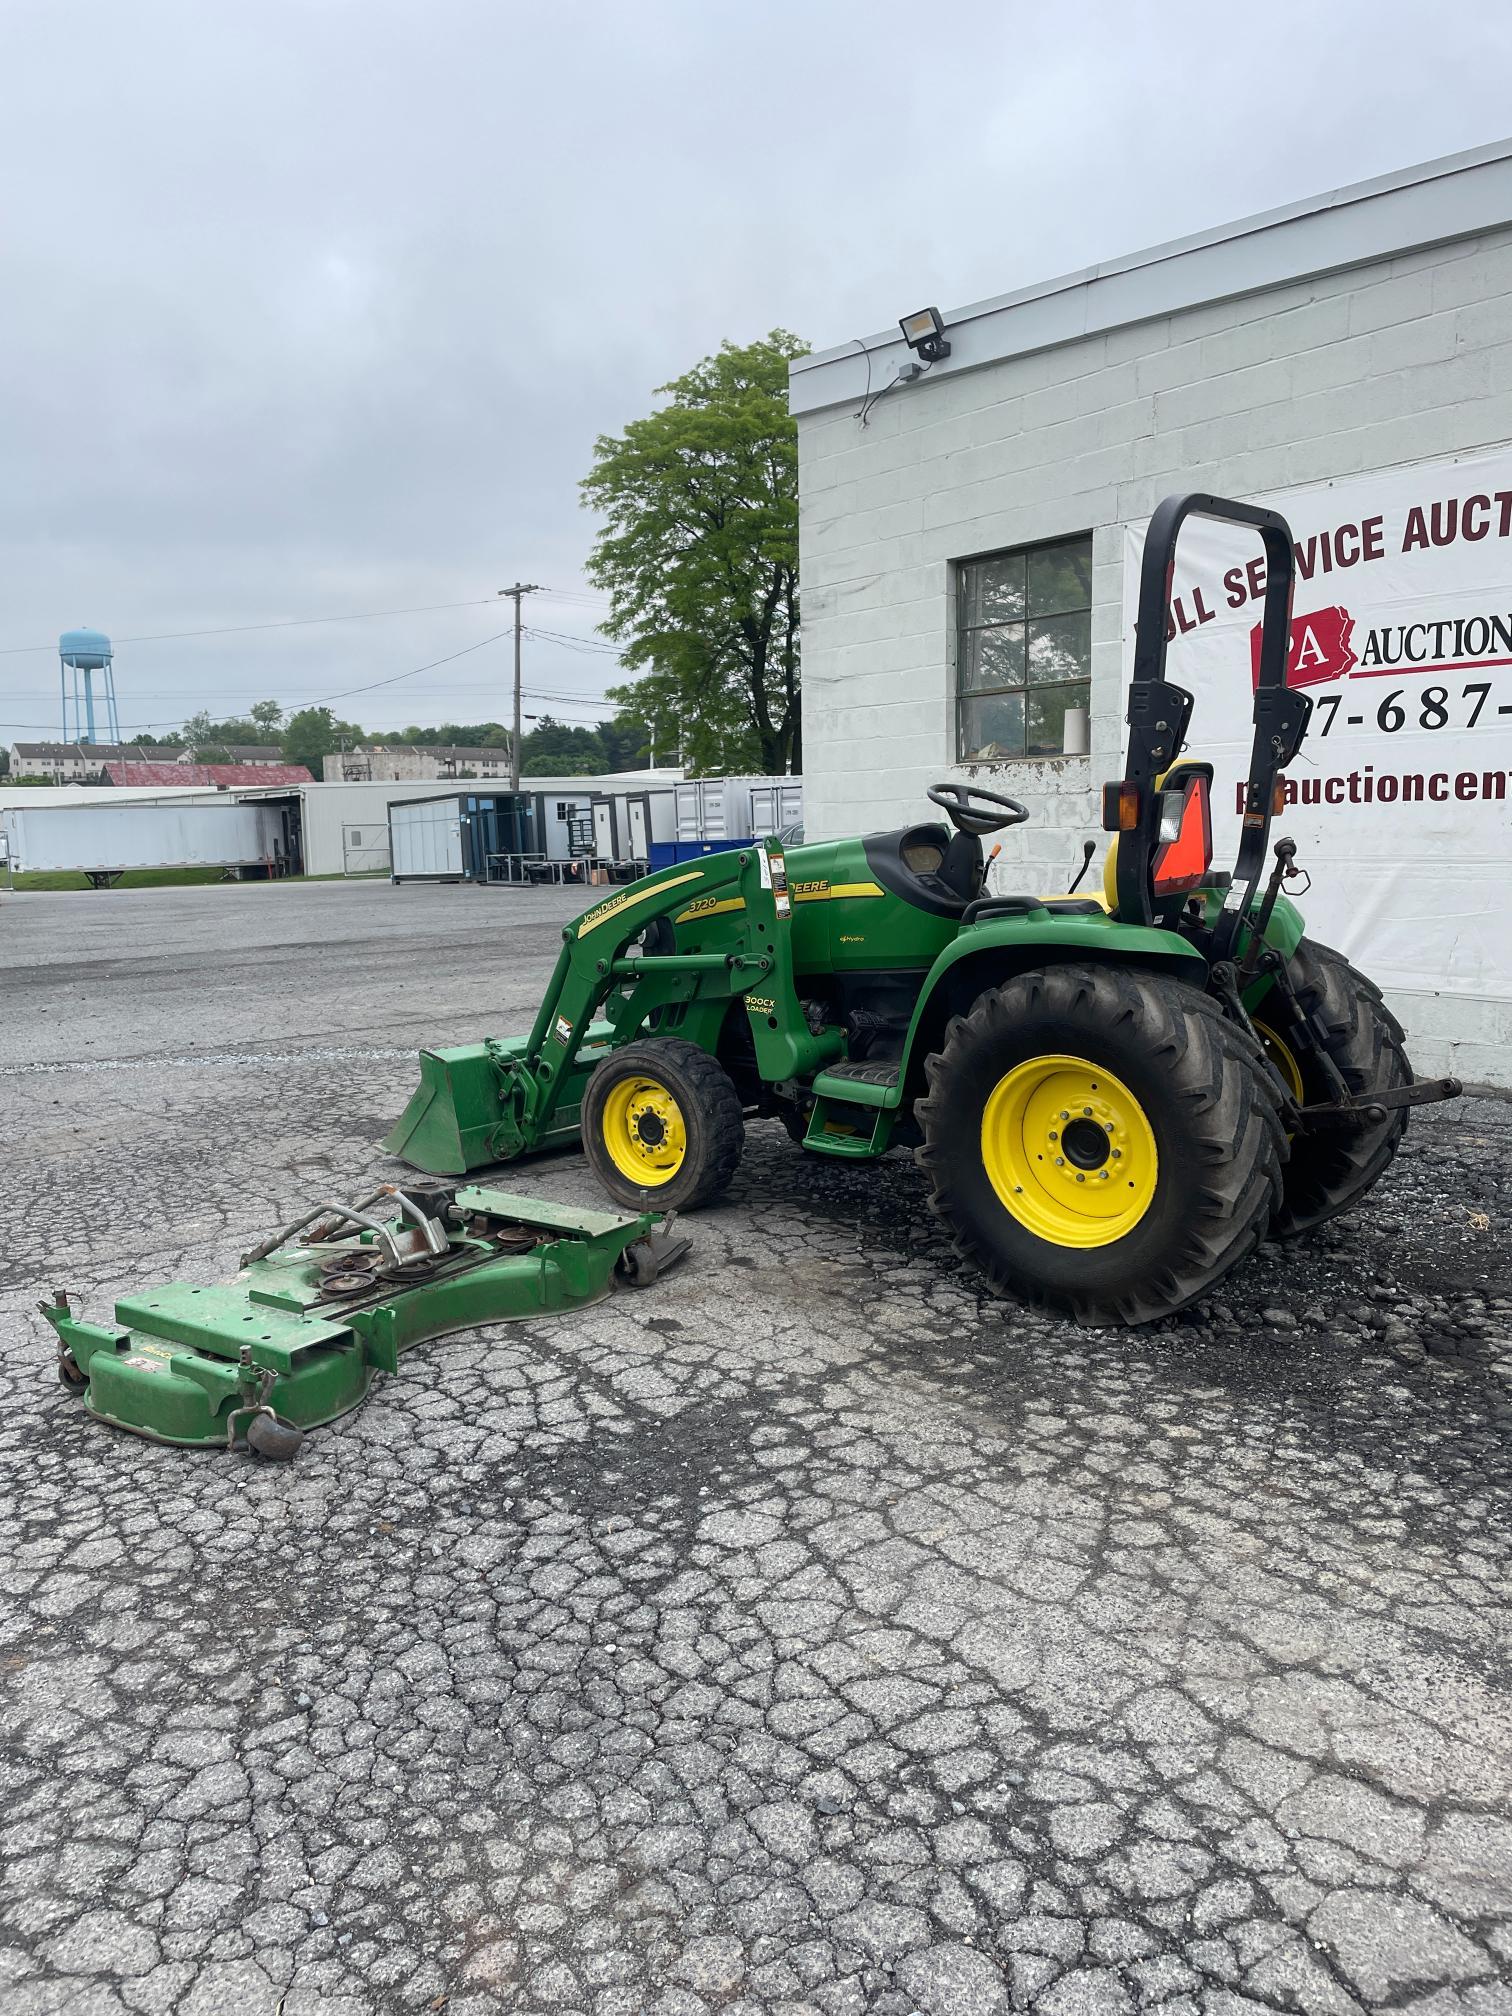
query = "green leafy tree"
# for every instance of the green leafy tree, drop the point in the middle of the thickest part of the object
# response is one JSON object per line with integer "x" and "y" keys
{"x": 461, "y": 735}
{"x": 627, "y": 742}
{"x": 699, "y": 555}
{"x": 213, "y": 741}
{"x": 555, "y": 749}
{"x": 315, "y": 733}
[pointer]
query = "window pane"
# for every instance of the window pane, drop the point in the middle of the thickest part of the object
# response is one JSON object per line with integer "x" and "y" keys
{"x": 994, "y": 658}
{"x": 994, "y": 589}
{"x": 1047, "y": 717}
{"x": 1060, "y": 647}
{"x": 992, "y": 725}
{"x": 1060, "y": 578}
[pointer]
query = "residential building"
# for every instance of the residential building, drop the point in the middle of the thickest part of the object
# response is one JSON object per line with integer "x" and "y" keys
{"x": 410, "y": 762}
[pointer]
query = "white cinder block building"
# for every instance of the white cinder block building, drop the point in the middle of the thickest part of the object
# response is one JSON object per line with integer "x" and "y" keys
{"x": 969, "y": 540}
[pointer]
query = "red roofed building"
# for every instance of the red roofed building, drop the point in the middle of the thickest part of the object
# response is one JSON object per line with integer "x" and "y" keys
{"x": 224, "y": 776}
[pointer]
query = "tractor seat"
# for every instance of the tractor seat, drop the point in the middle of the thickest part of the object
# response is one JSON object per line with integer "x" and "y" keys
{"x": 987, "y": 907}
{"x": 928, "y": 866}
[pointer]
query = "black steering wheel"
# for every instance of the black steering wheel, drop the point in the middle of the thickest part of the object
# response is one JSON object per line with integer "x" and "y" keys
{"x": 972, "y": 810}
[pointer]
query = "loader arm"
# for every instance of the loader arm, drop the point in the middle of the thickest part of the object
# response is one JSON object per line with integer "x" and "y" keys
{"x": 503, "y": 1098}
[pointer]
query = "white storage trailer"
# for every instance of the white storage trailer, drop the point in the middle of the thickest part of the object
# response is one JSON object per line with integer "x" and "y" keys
{"x": 102, "y": 840}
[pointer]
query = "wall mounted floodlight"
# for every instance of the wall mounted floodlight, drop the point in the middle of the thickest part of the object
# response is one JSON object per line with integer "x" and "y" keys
{"x": 925, "y": 333}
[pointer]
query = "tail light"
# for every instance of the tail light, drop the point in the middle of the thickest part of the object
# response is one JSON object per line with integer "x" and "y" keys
{"x": 1184, "y": 851}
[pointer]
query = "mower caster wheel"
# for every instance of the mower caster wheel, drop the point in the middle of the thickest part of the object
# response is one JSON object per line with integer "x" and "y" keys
{"x": 643, "y": 1263}
{"x": 274, "y": 1441}
{"x": 639, "y": 1266}
{"x": 71, "y": 1375}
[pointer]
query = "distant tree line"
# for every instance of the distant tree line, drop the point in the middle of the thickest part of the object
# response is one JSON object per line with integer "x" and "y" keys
{"x": 550, "y": 749}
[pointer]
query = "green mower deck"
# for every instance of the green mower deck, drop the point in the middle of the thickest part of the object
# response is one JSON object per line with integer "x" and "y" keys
{"x": 298, "y": 1336}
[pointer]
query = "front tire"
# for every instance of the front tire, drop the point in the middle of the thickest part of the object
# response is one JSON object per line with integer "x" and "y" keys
{"x": 662, "y": 1125}
{"x": 1101, "y": 1141}
{"x": 1331, "y": 1170}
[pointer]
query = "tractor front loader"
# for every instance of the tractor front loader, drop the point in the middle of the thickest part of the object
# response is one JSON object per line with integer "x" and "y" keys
{"x": 1113, "y": 1098}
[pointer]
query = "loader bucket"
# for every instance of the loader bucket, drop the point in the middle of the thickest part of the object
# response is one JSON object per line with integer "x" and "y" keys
{"x": 450, "y": 1123}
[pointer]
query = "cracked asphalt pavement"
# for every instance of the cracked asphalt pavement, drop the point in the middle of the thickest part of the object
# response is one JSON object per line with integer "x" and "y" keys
{"x": 813, "y": 1634}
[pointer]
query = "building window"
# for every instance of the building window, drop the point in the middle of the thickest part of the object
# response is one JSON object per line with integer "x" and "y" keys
{"x": 1023, "y": 649}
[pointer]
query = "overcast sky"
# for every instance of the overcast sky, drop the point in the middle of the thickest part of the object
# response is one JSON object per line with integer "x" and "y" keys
{"x": 316, "y": 309}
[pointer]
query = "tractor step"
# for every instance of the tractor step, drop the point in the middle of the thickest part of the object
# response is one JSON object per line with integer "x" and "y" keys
{"x": 298, "y": 1336}
{"x": 864, "y": 1084}
{"x": 847, "y": 1127}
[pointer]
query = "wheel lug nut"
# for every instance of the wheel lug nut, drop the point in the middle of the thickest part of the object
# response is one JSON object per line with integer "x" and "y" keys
{"x": 1117, "y": 1154}
{"x": 1088, "y": 1111}
{"x": 1053, "y": 1135}
{"x": 1064, "y": 1114}
{"x": 1081, "y": 1179}
{"x": 1060, "y": 1161}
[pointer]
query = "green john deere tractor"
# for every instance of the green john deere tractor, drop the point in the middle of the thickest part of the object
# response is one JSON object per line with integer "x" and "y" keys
{"x": 1113, "y": 1098}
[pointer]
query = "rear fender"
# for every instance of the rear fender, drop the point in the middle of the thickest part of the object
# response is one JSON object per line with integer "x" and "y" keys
{"x": 987, "y": 954}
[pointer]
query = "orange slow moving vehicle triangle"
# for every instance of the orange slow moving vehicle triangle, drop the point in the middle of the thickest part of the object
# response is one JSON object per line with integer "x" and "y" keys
{"x": 1180, "y": 864}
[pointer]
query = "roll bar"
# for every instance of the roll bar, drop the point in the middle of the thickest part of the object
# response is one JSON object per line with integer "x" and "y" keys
{"x": 1159, "y": 711}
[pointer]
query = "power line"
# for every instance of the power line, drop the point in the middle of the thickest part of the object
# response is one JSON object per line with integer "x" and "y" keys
{"x": 584, "y": 644}
{"x": 373, "y": 686}
{"x": 297, "y": 622}
{"x": 240, "y": 629}
{"x": 347, "y": 691}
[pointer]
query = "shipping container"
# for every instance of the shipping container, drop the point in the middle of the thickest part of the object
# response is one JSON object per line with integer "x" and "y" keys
{"x": 776, "y": 806}
{"x": 715, "y": 814}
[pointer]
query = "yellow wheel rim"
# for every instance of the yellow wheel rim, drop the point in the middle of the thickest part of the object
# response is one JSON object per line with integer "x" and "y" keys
{"x": 644, "y": 1131}
{"x": 1279, "y": 1054}
{"x": 1069, "y": 1151}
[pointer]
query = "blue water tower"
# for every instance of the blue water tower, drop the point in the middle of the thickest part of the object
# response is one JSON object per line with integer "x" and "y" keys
{"x": 82, "y": 655}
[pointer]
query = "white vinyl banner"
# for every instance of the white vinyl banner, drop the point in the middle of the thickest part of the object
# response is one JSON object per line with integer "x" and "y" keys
{"x": 1400, "y": 800}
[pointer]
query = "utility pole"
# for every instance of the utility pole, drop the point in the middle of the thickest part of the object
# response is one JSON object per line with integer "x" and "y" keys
{"x": 520, "y": 588}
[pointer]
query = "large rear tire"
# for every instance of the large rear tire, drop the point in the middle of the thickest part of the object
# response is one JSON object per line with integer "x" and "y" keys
{"x": 1331, "y": 1170}
{"x": 662, "y": 1125}
{"x": 1101, "y": 1141}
